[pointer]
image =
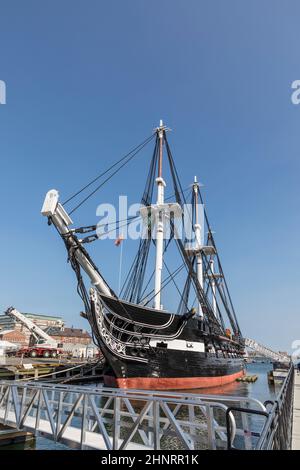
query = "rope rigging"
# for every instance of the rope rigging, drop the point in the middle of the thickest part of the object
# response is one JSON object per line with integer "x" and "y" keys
{"x": 234, "y": 320}
{"x": 230, "y": 312}
{"x": 121, "y": 162}
{"x": 165, "y": 282}
{"x": 133, "y": 285}
{"x": 133, "y": 289}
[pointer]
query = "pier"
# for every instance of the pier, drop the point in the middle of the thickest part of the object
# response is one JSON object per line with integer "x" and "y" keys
{"x": 20, "y": 369}
{"x": 9, "y": 436}
{"x": 119, "y": 419}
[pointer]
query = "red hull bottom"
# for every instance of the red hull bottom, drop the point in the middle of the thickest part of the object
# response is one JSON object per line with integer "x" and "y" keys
{"x": 170, "y": 383}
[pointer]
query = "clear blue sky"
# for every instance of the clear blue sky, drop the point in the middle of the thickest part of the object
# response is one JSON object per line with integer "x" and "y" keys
{"x": 86, "y": 81}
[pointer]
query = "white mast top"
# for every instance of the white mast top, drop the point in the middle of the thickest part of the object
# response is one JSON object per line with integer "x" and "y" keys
{"x": 159, "y": 220}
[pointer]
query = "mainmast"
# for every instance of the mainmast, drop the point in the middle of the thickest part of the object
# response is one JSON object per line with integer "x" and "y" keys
{"x": 159, "y": 220}
{"x": 198, "y": 228}
{"x": 213, "y": 286}
{"x": 206, "y": 250}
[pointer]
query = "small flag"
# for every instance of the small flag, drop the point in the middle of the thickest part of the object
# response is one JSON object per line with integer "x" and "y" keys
{"x": 119, "y": 240}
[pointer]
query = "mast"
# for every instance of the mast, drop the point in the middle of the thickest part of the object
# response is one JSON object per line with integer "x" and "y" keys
{"x": 159, "y": 220}
{"x": 213, "y": 286}
{"x": 197, "y": 228}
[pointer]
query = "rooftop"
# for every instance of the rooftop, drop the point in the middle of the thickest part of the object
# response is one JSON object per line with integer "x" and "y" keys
{"x": 36, "y": 316}
{"x": 68, "y": 332}
{"x": 43, "y": 317}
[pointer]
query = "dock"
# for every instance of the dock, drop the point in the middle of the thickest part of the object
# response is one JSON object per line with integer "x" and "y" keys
{"x": 296, "y": 414}
{"x": 10, "y": 436}
{"x": 53, "y": 370}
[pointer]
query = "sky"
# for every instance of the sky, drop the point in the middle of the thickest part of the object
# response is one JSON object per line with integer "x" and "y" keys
{"x": 87, "y": 81}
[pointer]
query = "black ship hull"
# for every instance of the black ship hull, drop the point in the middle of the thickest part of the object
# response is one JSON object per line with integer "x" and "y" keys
{"x": 173, "y": 370}
{"x": 175, "y": 354}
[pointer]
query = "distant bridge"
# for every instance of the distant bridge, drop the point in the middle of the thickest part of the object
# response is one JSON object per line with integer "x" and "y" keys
{"x": 264, "y": 351}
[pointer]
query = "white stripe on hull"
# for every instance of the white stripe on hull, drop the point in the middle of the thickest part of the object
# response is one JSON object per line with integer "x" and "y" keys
{"x": 181, "y": 345}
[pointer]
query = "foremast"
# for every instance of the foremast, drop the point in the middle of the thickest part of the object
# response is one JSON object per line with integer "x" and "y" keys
{"x": 159, "y": 235}
{"x": 198, "y": 236}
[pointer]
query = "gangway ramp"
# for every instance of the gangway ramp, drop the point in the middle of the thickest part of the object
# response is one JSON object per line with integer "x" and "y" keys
{"x": 103, "y": 418}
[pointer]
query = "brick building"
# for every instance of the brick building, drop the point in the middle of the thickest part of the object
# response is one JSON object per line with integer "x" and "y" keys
{"x": 70, "y": 335}
{"x": 14, "y": 336}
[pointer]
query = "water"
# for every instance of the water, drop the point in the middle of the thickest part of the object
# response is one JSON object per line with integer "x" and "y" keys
{"x": 260, "y": 390}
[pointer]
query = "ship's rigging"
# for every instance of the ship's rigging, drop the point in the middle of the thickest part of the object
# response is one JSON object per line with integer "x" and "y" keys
{"x": 209, "y": 290}
{"x": 147, "y": 345}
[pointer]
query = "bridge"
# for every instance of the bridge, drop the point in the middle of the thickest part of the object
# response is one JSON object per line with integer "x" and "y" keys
{"x": 264, "y": 351}
{"x": 103, "y": 418}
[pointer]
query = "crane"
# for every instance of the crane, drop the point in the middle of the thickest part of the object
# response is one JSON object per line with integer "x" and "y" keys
{"x": 45, "y": 345}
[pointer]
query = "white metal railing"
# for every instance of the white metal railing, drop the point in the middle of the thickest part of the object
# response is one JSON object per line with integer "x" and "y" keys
{"x": 103, "y": 418}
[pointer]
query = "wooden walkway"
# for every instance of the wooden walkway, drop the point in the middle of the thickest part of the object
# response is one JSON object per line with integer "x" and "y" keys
{"x": 296, "y": 413}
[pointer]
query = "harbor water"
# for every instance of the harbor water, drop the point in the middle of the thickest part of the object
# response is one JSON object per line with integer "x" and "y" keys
{"x": 261, "y": 390}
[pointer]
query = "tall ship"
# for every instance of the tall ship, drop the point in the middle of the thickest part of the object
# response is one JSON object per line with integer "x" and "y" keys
{"x": 171, "y": 326}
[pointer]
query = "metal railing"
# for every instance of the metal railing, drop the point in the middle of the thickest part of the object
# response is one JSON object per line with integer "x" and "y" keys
{"x": 103, "y": 418}
{"x": 277, "y": 432}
